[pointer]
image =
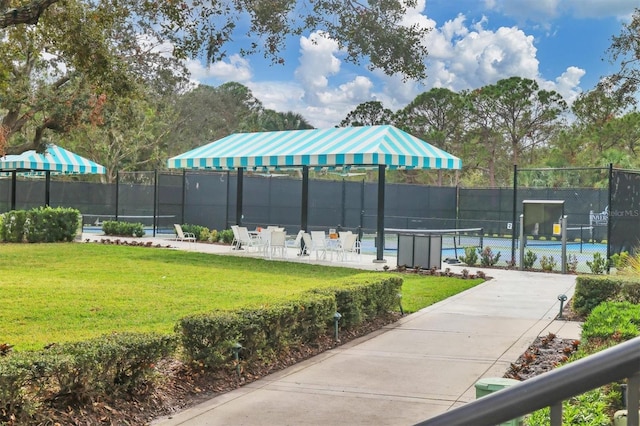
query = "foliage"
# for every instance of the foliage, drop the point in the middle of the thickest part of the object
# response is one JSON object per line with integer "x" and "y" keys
{"x": 620, "y": 260}
{"x": 598, "y": 265}
{"x": 529, "y": 259}
{"x": 202, "y": 233}
{"x": 12, "y": 227}
{"x": 41, "y": 224}
{"x": 371, "y": 113}
{"x": 81, "y": 372}
{"x": 122, "y": 229}
{"x": 618, "y": 321}
{"x": 226, "y": 236}
{"x": 487, "y": 257}
{"x": 470, "y": 257}
{"x": 587, "y": 409}
{"x": 548, "y": 263}
{"x": 593, "y": 290}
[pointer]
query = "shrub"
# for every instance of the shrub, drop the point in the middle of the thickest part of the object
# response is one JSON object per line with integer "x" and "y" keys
{"x": 529, "y": 259}
{"x": 618, "y": 321}
{"x": 226, "y": 236}
{"x": 122, "y": 229}
{"x": 620, "y": 260}
{"x": 599, "y": 264}
{"x": 487, "y": 257}
{"x": 201, "y": 232}
{"x": 470, "y": 256}
{"x": 38, "y": 225}
{"x": 591, "y": 291}
{"x": 214, "y": 236}
{"x": 548, "y": 263}
{"x": 13, "y": 226}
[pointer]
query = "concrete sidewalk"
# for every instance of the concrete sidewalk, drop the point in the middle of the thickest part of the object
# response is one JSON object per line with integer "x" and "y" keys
{"x": 421, "y": 366}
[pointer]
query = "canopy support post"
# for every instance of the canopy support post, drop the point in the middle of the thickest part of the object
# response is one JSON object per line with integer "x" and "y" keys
{"x": 14, "y": 177}
{"x": 304, "y": 213}
{"x": 47, "y": 188}
{"x": 380, "y": 234}
{"x": 239, "y": 198}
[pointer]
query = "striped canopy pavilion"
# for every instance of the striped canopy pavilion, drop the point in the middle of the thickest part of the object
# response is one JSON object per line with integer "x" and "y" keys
{"x": 55, "y": 160}
{"x": 367, "y": 147}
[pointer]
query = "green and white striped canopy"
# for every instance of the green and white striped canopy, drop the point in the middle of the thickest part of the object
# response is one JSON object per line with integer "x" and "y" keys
{"x": 346, "y": 147}
{"x": 55, "y": 159}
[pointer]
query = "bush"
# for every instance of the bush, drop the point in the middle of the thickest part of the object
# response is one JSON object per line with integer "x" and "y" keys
{"x": 593, "y": 290}
{"x": 611, "y": 321}
{"x": 40, "y": 225}
{"x": 470, "y": 257}
{"x": 13, "y": 226}
{"x": 226, "y": 236}
{"x": 208, "y": 339}
{"x": 81, "y": 372}
{"x": 529, "y": 259}
{"x": 122, "y": 229}
{"x": 548, "y": 263}
{"x": 599, "y": 264}
{"x": 487, "y": 258}
{"x": 201, "y": 232}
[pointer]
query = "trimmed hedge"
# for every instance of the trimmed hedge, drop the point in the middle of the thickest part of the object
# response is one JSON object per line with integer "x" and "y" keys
{"x": 79, "y": 373}
{"x": 122, "y": 229}
{"x": 40, "y": 225}
{"x": 592, "y": 290}
{"x": 207, "y": 339}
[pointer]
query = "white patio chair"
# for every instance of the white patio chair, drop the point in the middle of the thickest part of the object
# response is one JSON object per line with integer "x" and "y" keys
{"x": 349, "y": 244}
{"x": 278, "y": 244}
{"x": 235, "y": 244}
{"x": 319, "y": 243}
{"x": 296, "y": 243}
{"x": 189, "y": 237}
{"x": 265, "y": 237}
{"x": 247, "y": 240}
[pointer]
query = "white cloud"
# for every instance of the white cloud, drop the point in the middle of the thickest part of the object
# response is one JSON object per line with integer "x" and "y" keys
{"x": 567, "y": 84}
{"x": 543, "y": 10}
{"x": 236, "y": 68}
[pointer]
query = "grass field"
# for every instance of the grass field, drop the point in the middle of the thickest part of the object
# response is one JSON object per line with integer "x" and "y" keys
{"x": 71, "y": 291}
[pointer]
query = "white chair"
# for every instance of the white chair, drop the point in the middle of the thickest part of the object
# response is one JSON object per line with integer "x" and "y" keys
{"x": 265, "y": 237}
{"x": 278, "y": 244}
{"x": 349, "y": 244}
{"x": 247, "y": 240}
{"x": 235, "y": 244}
{"x": 189, "y": 237}
{"x": 319, "y": 243}
{"x": 296, "y": 243}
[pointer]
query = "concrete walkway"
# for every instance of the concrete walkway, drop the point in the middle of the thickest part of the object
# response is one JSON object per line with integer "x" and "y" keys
{"x": 421, "y": 366}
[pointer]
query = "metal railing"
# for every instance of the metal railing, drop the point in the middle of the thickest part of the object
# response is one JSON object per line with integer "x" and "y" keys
{"x": 550, "y": 389}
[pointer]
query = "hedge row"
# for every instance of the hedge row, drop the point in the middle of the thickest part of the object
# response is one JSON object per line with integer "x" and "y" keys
{"x": 592, "y": 290}
{"x": 40, "y": 225}
{"x": 80, "y": 373}
{"x": 208, "y": 339}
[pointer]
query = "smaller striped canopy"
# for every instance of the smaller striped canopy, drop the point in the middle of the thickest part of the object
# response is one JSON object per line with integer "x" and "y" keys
{"x": 55, "y": 159}
{"x": 345, "y": 147}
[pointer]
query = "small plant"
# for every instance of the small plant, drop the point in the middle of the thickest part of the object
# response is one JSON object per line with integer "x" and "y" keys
{"x": 620, "y": 260}
{"x": 599, "y": 264}
{"x": 529, "y": 259}
{"x": 548, "y": 263}
{"x": 487, "y": 257}
{"x": 572, "y": 263}
{"x": 470, "y": 257}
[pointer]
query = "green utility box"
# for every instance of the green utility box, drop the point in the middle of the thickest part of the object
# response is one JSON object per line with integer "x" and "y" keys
{"x": 490, "y": 385}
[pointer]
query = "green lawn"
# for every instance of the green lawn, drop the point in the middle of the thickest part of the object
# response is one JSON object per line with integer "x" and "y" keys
{"x": 71, "y": 291}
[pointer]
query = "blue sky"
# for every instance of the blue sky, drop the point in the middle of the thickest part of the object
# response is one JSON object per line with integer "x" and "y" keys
{"x": 560, "y": 43}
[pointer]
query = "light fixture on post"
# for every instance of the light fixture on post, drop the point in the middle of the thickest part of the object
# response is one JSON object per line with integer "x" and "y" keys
{"x": 236, "y": 356}
{"x": 336, "y": 319}
{"x": 562, "y": 298}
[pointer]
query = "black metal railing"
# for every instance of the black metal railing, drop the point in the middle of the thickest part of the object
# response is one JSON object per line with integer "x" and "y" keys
{"x": 550, "y": 389}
